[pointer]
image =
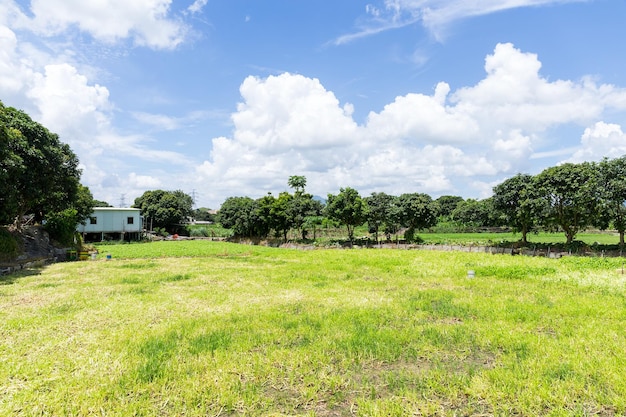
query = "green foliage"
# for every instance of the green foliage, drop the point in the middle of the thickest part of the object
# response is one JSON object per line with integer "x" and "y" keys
{"x": 383, "y": 213}
{"x": 281, "y": 218}
{"x": 38, "y": 173}
{"x": 9, "y": 247}
{"x": 612, "y": 188}
{"x": 198, "y": 231}
{"x": 165, "y": 209}
{"x": 445, "y": 205}
{"x": 297, "y": 182}
{"x": 301, "y": 209}
{"x": 348, "y": 208}
{"x": 472, "y": 213}
{"x": 203, "y": 214}
{"x": 416, "y": 212}
{"x": 517, "y": 198}
{"x": 100, "y": 203}
{"x": 61, "y": 226}
{"x": 572, "y": 197}
{"x": 240, "y": 214}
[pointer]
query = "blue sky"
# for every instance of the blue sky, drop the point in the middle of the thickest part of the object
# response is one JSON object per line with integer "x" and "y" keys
{"x": 225, "y": 98}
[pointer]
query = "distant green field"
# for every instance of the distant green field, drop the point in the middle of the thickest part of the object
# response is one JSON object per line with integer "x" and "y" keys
{"x": 201, "y": 328}
{"x": 490, "y": 238}
{"x": 487, "y": 238}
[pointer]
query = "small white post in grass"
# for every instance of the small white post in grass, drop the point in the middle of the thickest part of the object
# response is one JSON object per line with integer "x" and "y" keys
{"x": 471, "y": 273}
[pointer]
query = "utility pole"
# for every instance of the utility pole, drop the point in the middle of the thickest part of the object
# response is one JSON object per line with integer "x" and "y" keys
{"x": 193, "y": 198}
{"x": 122, "y": 200}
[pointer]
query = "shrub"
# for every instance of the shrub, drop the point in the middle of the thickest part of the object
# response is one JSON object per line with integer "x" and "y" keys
{"x": 198, "y": 232}
{"x": 9, "y": 247}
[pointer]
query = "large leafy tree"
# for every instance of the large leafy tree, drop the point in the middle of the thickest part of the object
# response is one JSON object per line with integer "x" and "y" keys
{"x": 39, "y": 174}
{"x": 61, "y": 225}
{"x": 520, "y": 203}
{"x": 241, "y": 214}
{"x": 416, "y": 212}
{"x": 381, "y": 208}
{"x": 165, "y": 209}
{"x": 282, "y": 219}
{"x": 301, "y": 209}
{"x": 348, "y": 208}
{"x": 571, "y": 194}
{"x": 302, "y": 206}
{"x": 445, "y": 205}
{"x": 476, "y": 213}
{"x": 612, "y": 186}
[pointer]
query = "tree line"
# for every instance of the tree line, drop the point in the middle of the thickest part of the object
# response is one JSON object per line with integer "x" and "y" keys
{"x": 570, "y": 198}
{"x": 40, "y": 178}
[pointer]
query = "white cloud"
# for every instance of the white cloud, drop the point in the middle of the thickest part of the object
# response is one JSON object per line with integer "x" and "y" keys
{"x": 422, "y": 119}
{"x": 439, "y": 142}
{"x": 599, "y": 141}
{"x": 147, "y": 22}
{"x": 438, "y": 14}
{"x": 68, "y": 104}
{"x": 447, "y": 142}
{"x": 143, "y": 182}
{"x": 64, "y": 99}
{"x": 435, "y": 15}
{"x": 514, "y": 94}
{"x": 303, "y": 115}
{"x": 197, "y": 6}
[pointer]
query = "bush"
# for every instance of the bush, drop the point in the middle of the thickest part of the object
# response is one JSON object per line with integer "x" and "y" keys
{"x": 9, "y": 247}
{"x": 198, "y": 232}
{"x": 61, "y": 227}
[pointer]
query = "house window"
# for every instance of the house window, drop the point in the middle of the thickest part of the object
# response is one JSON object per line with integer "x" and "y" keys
{"x": 93, "y": 220}
{"x": 130, "y": 220}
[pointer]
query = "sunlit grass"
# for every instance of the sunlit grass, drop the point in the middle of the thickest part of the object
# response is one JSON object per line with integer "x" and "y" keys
{"x": 205, "y": 328}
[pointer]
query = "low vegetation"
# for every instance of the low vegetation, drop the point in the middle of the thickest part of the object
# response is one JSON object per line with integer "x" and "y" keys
{"x": 9, "y": 247}
{"x": 201, "y": 328}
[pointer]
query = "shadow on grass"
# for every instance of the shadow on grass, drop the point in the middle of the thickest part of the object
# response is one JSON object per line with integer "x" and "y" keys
{"x": 12, "y": 278}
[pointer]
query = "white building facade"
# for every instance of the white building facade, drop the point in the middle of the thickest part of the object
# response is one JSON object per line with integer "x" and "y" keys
{"x": 112, "y": 223}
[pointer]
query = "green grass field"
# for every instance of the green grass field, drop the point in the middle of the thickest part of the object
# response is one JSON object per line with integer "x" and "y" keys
{"x": 200, "y": 328}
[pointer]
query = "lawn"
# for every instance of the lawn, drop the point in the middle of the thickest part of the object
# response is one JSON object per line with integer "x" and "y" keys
{"x": 200, "y": 328}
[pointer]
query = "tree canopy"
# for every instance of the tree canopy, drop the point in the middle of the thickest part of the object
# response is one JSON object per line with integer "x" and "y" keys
{"x": 571, "y": 194}
{"x": 39, "y": 174}
{"x": 517, "y": 198}
{"x": 348, "y": 208}
{"x": 165, "y": 209}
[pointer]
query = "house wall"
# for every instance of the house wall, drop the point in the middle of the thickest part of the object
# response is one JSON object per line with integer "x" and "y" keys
{"x": 113, "y": 220}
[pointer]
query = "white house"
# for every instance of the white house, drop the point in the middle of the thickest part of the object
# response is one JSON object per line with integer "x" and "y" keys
{"x": 112, "y": 223}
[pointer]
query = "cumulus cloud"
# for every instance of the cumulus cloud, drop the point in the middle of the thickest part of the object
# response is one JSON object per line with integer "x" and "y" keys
{"x": 67, "y": 102}
{"x": 599, "y": 141}
{"x": 63, "y": 98}
{"x": 147, "y": 22}
{"x": 439, "y": 141}
{"x": 443, "y": 142}
{"x": 422, "y": 118}
{"x": 514, "y": 93}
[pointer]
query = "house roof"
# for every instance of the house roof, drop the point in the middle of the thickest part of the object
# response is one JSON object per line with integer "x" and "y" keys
{"x": 115, "y": 209}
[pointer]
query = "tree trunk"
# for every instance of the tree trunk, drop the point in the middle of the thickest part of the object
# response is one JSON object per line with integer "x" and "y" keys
{"x": 524, "y": 235}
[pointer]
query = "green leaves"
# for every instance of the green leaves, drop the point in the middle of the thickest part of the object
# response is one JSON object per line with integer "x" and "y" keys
{"x": 38, "y": 173}
{"x": 165, "y": 209}
{"x": 348, "y": 208}
{"x": 571, "y": 193}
